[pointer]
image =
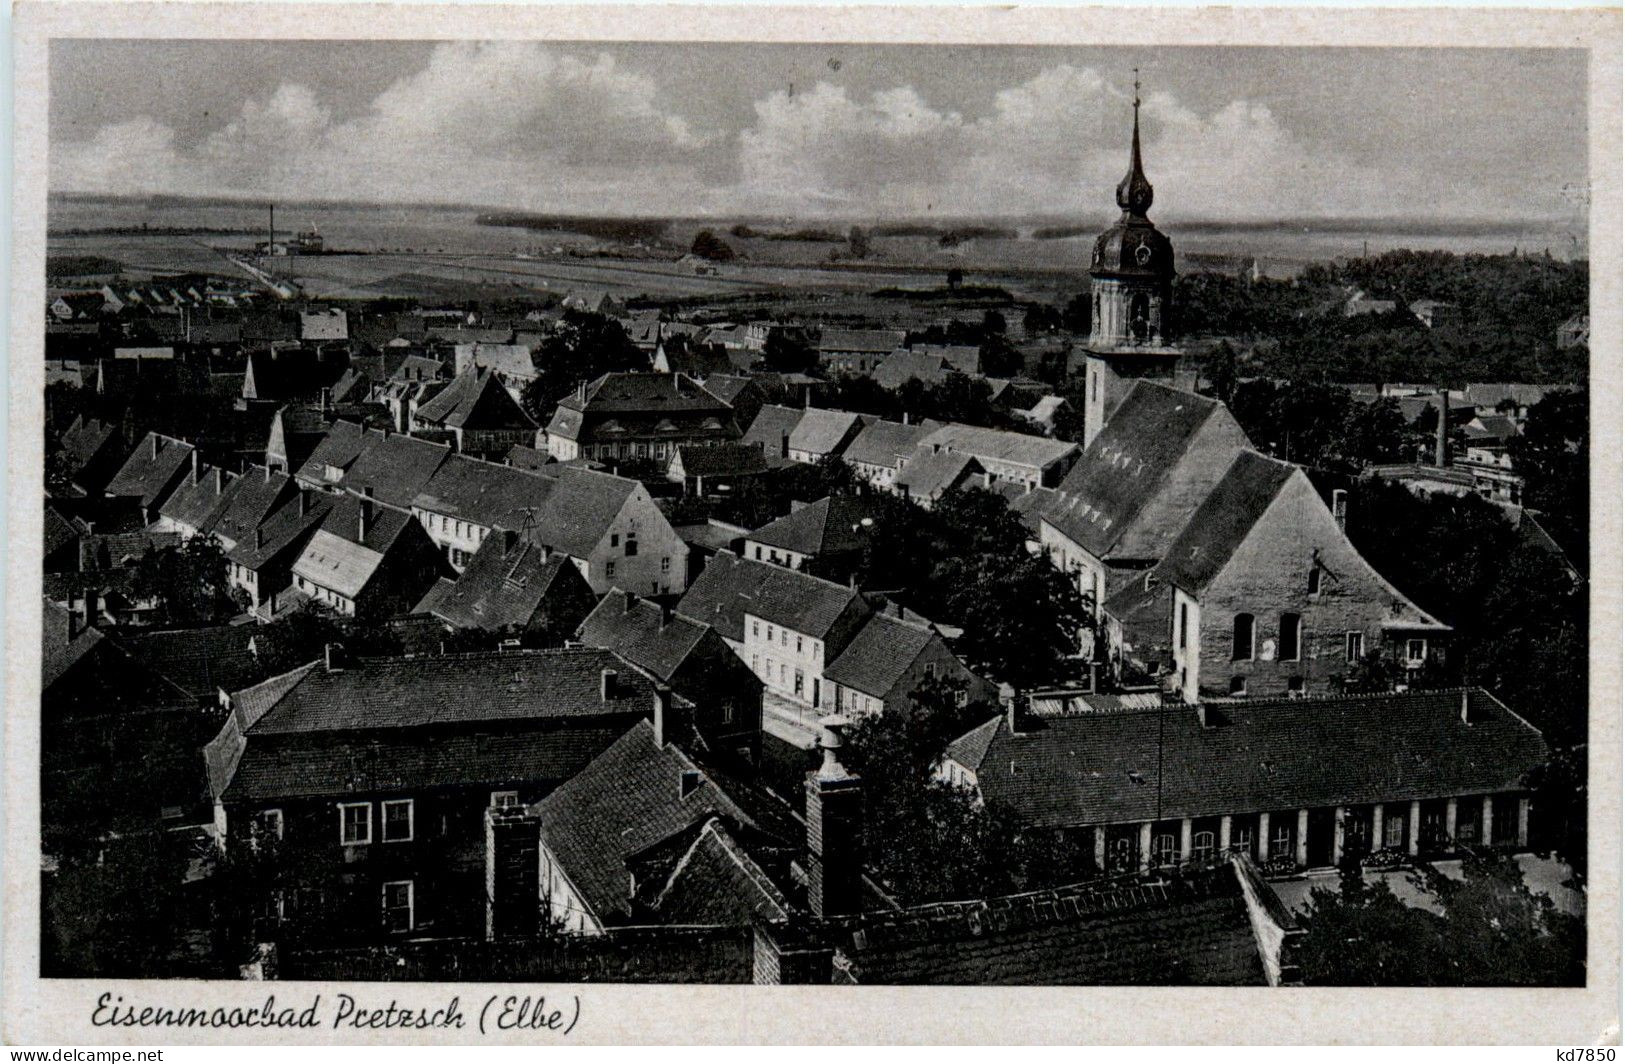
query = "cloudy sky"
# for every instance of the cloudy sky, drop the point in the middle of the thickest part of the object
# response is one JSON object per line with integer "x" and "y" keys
{"x": 862, "y": 131}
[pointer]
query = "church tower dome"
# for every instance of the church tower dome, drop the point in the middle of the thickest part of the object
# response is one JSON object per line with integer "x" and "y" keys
{"x": 1131, "y": 279}
{"x": 1132, "y": 269}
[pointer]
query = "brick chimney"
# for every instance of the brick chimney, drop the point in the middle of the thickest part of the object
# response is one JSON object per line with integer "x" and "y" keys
{"x": 662, "y": 714}
{"x": 834, "y": 827}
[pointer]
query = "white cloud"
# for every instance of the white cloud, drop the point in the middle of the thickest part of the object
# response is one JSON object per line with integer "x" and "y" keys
{"x": 529, "y": 126}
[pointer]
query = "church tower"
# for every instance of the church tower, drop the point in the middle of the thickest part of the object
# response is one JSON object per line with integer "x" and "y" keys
{"x": 1131, "y": 278}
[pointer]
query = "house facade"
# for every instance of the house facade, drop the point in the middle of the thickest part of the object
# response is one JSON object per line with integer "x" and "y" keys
{"x": 638, "y": 416}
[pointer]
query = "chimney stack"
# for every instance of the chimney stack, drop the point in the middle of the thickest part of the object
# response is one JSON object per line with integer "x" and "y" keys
{"x": 365, "y": 521}
{"x": 665, "y": 614}
{"x": 304, "y": 501}
{"x": 154, "y": 439}
{"x": 1015, "y": 714}
{"x": 259, "y": 536}
{"x": 73, "y": 616}
{"x": 662, "y": 719}
{"x": 834, "y": 827}
{"x": 219, "y": 480}
{"x": 333, "y": 656}
{"x": 1466, "y": 706}
{"x": 197, "y": 467}
{"x": 268, "y": 472}
{"x": 1441, "y": 439}
{"x": 784, "y": 445}
{"x": 606, "y": 684}
{"x": 93, "y": 608}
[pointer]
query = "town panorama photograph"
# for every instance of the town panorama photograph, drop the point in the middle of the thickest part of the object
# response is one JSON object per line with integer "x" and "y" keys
{"x": 798, "y": 514}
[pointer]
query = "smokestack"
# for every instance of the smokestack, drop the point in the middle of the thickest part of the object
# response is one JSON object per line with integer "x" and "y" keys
{"x": 1441, "y": 440}
{"x": 606, "y": 684}
{"x": 834, "y": 827}
{"x": 662, "y": 718}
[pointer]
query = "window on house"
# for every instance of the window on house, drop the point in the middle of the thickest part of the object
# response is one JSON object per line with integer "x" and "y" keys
{"x": 1165, "y": 850}
{"x": 665, "y": 564}
{"x": 758, "y": 554}
{"x": 1241, "y": 638}
{"x": 784, "y": 637}
{"x": 1202, "y": 845}
{"x": 1416, "y": 651}
{"x": 614, "y": 539}
{"x": 930, "y": 670}
{"x": 1238, "y": 687}
{"x": 355, "y": 823}
{"x": 1314, "y": 580}
{"x": 756, "y": 629}
{"x": 798, "y": 644}
{"x": 1241, "y": 838}
{"x": 1294, "y": 686}
{"x": 1281, "y": 838}
{"x": 398, "y": 820}
{"x": 269, "y": 824}
{"x": 800, "y": 680}
{"x": 631, "y": 546}
{"x": 1291, "y": 625}
{"x": 1393, "y": 828}
{"x": 1183, "y": 619}
{"x": 756, "y": 664}
{"x": 397, "y": 905}
{"x": 504, "y": 799}
{"x": 1354, "y": 647}
{"x": 609, "y": 570}
{"x": 770, "y": 633}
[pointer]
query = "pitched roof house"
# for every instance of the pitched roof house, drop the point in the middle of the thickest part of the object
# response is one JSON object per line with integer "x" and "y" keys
{"x": 367, "y": 560}
{"x": 378, "y": 772}
{"x": 694, "y": 661}
{"x": 510, "y": 583}
{"x": 1015, "y": 457}
{"x": 883, "y": 447}
{"x": 91, "y": 453}
{"x": 821, "y": 434}
{"x": 200, "y": 501}
{"x": 481, "y": 415}
{"x": 638, "y": 415}
{"x": 1407, "y": 771}
{"x": 612, "y": 529}
{"x": 833, "y": 527}
{"x": 1268, "y": 596}
{"x": 151, "y": 473}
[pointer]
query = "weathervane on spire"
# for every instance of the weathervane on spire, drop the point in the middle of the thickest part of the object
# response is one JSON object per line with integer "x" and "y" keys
{"x": 1134, "y": 194}
{"x": 1136, "y": 88}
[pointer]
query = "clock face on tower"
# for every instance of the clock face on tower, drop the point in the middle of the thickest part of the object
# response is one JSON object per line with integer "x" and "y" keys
{"x": 1142, "y": 254}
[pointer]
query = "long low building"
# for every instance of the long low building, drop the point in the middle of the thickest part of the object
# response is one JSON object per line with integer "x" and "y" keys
{"x": 1300, "y": 783}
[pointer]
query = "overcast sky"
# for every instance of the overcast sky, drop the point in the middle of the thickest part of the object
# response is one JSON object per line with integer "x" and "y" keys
{"x": 1230, "y": 133}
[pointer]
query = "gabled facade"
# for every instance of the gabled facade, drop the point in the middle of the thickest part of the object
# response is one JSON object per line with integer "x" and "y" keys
{"x": 481, "y": 417}
{"x": 1266, "y": 597}
{"x": 367, "y": 560}
{"x": 467, "y": 499}
{"x": 888, "y": 660}
{"x": 638, "y": 415}
{"x": 511, "y": 583}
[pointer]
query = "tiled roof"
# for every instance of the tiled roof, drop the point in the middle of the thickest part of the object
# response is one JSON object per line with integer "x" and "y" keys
{"x": 149, "y": 477}
{"x": 285, "y": 526}
{"x": 372, "y": 694}
{"x": 58, "y": 652}
{"x": 84, "y": 441}
{"x": 822, "y": 432}
{"x": 259, "y": 490}
{"x": 637, "y": 631}
{"x": 59, "y": 532}
{"x": 512, "y": 360}
{"x": 879, "y": 341}
{"x": 395, "y": 467}
{"x": 419, "y": 368}
{"x": 1224, "y": 520}
{"x": 577, "y": 514}
{"x": 1255, "y": 756}
{"x": 529, "y": 458}
{"x": 1015, "y": 447}
{"x": 487, "y": 494}
{"x": 731, "y": 586}
{"x": 354, "y": 384}
{"x": 506, "y": 582}
{"x": 642, "y": 404}
{"x": 900, "y": 367}
{"x": 475, "y": 400}
{"x": 831, "y": 525}
{"x": 338, "y": 558}
{"x": 878, "y": 656}
{"x": 771, "y": 425}
{"x": 726, "y": 386}
{"x": 200, "y": 504}
{"x": 930, "y": 473}
{"x": 627, "y": 800}
{"x": 961, "y": 358}
{"x": 200, "y": 661}
{"x": 721, "y": 460}
{"x": 717, "y": 883}
{"x": 885, "y": 443}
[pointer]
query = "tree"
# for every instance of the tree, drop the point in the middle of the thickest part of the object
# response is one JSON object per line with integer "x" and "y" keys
{"x": 1021, "y": 615}
{"x": 1075, "y": 315}
{"x": 112, "y": 907}
{"x": 191, "y": 582}
{"x": 1553, "y": 454}
{"x": 857, "y": 243}
{"x": 788, "y": 351}
{"x": 928, "y": 840}
{"x": 586, "y": 347}
{"x": 1488, "y": 930}
{"x": 707, "y": 245}
{"x": 956, "y": 279}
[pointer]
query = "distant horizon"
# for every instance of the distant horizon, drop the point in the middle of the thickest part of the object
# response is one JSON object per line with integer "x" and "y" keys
{"x": 1396, "y": 224}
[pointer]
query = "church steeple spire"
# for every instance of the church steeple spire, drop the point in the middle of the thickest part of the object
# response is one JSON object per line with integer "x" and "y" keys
{"x": 1134, "y": 191}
